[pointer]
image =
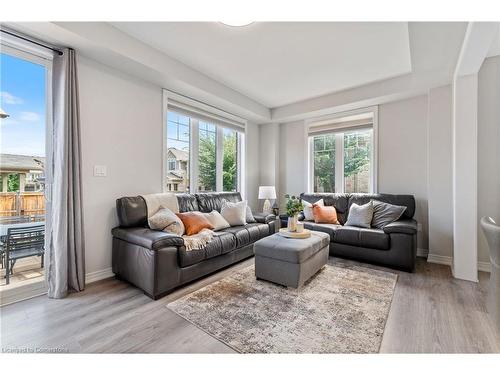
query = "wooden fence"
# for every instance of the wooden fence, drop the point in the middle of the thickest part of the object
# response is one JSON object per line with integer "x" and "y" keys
{"x": 22, "y": 204}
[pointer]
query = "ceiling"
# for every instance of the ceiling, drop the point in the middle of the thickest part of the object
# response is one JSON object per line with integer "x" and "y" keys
{"x": 283, "y": 62}
{"x": 495, "y": 46}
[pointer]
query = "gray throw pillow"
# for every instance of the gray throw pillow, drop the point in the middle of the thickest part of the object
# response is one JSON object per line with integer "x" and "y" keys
{"x": 385, "y": 213}
{"x": 360, "y": 216}
{"x": 165, "y": 220}
{"x": 249, "y": 215}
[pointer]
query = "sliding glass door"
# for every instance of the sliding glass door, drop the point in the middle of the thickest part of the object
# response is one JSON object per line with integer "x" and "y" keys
{"x": 24, "y": 146}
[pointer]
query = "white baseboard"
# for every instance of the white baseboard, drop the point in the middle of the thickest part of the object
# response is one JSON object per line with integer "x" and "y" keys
{"x": 422, "y": 252}
{"x": 484, "y": 266}
{"x": 98, "y": 275}
{"x": 440, "y": 259}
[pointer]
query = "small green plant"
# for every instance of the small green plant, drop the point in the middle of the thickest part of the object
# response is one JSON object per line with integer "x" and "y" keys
{"x": 293, "y": 205}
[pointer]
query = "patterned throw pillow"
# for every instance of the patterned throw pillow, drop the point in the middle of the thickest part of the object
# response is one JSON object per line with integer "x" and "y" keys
{"x": 194, "y": 222}
{"x": 385, "y": 213}
{"x": 217, "y": 220}
{"x": 249, "y": 216}
{"x": 308, "y": 209}
{"x": 325, "y": 214}
{"x": 165, "y": 220}
{"x": 234, "y": 213}
{"x": 360, "y": 216}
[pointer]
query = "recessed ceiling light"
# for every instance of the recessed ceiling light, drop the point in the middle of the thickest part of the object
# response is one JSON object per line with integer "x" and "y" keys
{"x": 237, "y": 23}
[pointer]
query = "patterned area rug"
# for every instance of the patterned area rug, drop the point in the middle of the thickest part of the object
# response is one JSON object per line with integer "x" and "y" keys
{"x": 343, "y": 309}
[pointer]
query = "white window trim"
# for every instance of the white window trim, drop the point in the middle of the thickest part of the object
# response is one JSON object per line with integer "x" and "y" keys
{"x": 339, "y": 161}
{"x": 194, "y": 151}
{"x": 38, "y": 55}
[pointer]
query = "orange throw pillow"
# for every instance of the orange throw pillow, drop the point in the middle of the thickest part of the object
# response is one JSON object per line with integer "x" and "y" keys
{"x": 325, "y": 214}
{"x": 194, "y": 222}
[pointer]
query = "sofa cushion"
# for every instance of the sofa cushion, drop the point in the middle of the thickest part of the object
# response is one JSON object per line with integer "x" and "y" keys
{"x": 325, "y": 228}
{"x": 187, "y": 202}
{"x": 222, "y": 243}
{"x": 339, "y": 201}
{"x": 246, "y": 234}
{"x": 398, "y": 199}
{"x": 132, "y": 212}
{"x": 207, "y": 202}
{"x": 362, "y": 237}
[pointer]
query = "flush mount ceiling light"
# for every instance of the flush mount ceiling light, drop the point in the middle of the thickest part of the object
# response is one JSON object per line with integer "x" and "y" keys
{"x": 237, "y": 23}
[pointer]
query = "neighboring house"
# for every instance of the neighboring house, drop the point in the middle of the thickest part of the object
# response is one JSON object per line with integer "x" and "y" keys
{"x": 177, "y": 170}
{"x": 29, "y": 168}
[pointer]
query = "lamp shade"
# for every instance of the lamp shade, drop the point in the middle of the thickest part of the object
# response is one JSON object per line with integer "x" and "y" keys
{"x": 267, "y": 192}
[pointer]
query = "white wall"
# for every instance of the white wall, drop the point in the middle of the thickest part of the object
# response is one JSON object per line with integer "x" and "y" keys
{"x": 489, "y": 147}
{"x": 402, "y": 155}
{"x": 465, "y": 223}
{"x": 440, "y": 198}
{"x": 121, "y": 121}
{"x": 122, "y": 126}
{"x": 292, "y": 160}
{"x": 252, "y": 159}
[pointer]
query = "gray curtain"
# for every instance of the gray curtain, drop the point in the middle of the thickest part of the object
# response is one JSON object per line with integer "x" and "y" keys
{"x": 65, "y": 241}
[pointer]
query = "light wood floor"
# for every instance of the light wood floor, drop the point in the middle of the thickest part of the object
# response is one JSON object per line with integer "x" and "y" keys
{"x": 431, "y": 312}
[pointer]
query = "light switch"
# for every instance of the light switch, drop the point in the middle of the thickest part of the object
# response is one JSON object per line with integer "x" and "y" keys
{"x": 100, "y": 171}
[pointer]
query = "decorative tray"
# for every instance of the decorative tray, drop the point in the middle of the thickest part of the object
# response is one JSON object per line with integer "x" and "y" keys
{"x": 286, "y": 233}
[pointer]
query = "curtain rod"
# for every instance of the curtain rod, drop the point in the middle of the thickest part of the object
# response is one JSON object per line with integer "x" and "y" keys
{"x": 59, "y": 52}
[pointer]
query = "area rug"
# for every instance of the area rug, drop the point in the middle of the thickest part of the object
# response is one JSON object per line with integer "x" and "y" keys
{"x": 343, "y": 309}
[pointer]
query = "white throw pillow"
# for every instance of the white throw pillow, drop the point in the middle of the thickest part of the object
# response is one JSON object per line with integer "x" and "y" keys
{"x": 165, "y": 220}
{"x": 234, "y": 213}
{"x": 217, "y": 220}
{"x": 360, "y": 216}
{"x": 308, "y": 208}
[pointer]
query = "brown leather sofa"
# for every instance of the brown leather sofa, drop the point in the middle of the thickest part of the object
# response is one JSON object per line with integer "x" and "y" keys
{"x": 157, "y": 262}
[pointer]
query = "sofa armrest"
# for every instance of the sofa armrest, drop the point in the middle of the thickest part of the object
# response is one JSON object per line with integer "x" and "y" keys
{"x": 407, "y": 226}
{"x": 264, "y": 218}
{"x": 145, "y": 237}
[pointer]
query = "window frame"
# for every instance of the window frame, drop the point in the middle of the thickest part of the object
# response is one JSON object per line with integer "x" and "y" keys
{"x": 339, "y": 149}
{"x": 194, "y": 152}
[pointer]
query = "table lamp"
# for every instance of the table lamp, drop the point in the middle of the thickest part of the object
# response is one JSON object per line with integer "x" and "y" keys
{"x": 267, "y": 192}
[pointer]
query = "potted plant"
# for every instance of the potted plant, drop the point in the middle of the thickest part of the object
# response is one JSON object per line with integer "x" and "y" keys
{"x": 293, "y": 207}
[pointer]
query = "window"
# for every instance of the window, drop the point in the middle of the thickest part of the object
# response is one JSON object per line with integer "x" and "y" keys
{"x": 357, "y": 164}
{"x": 178, "y": 138}
{"x": 207, "y": 157}
{"x": 207, "y": 153}
{"x": 230, "y": 162}
{"x": 342, "y": 154}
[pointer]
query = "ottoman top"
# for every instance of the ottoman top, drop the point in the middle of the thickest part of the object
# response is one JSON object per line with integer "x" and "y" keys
{"x": 292, "y": 250}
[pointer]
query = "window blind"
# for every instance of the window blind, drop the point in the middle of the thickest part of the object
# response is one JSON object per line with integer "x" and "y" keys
{"x": 325, "y": 127}
{"x": 204, "y": 112}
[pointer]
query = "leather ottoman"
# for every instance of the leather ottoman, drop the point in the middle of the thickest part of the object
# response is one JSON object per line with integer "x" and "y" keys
{"x": 290, "y": 261}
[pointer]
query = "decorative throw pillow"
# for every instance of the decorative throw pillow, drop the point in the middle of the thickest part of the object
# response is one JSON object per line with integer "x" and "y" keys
{"x": 249, "y": 215}
{"x": 360, "y": 216}
{"x": 324, "y": 214}
{"x": 234, "y": 213}
{"x": 194, "y": 222}
{"x": 165, "y": 220}
{"x": 385, "y": 213}
{"x": 217, "y": 220}
{"x": 308, "y": 209}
